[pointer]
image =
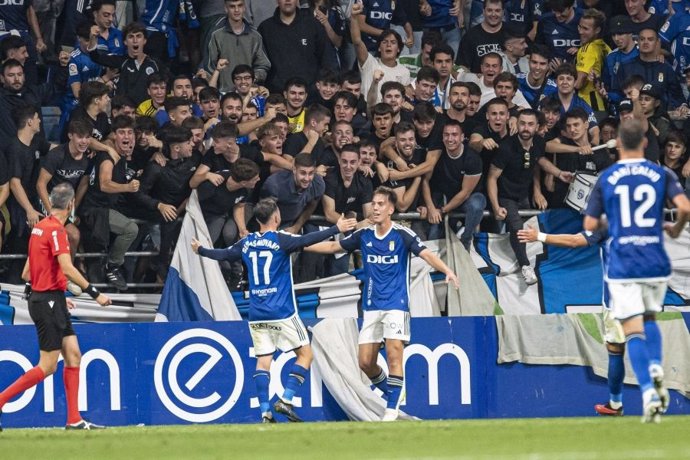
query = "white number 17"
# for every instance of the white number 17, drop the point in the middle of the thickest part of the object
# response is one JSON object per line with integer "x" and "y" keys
{"x": 268, "y": 255}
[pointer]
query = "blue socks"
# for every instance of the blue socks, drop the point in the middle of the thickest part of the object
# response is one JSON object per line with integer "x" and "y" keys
{"x": 294, "y": 381}
{"x": 653, "y": 340}
{"x": 395, "y": 386}
{"x": 261, "y": 380}
{"x": 380, "y": 382}
{"x": 615, "y": 377}
{"x": 639, "y": 357}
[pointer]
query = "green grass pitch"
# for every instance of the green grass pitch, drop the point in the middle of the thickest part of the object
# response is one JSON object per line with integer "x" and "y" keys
{"x": 533, "y": 439}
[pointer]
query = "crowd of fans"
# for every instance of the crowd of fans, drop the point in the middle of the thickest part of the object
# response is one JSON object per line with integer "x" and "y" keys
{"x": 460, "y": 106}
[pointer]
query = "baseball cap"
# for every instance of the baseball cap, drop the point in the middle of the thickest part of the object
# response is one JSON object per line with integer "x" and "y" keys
{"x": 621, "y": 25}
{"x": 651, "y": 90}
{"x": 626, "y": 105}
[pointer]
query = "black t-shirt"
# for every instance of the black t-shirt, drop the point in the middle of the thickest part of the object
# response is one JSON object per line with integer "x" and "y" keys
{"x": 100, "y": 126}
{"x": 294, "y": 144}
{"x": 215, "y": 161}
{"x": 218, "y": 201}
{"x": 95, "y": 197}
{"x": 476, "y": 44}
{"x": 23, "y": 163}
{"x": 449, "y": 172}
{"x": 652, "y": 152}
{"x": 350, "y": 198}
{"x": 517, "y": 164}
{"x": 64, "y": 167}
{"x": 141, "y": 157}
{"x": 487, "y": 156}
{"x": 418, "y": 157}
{"x": 4, "y": 169}
{"x": 434, "y": 141}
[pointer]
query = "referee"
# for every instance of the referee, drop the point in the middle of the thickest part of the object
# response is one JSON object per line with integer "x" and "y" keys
{"x": 48, "y": 265}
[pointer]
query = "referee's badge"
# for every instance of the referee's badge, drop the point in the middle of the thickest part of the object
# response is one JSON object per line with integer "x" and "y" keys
{"x": 391, "y": 245}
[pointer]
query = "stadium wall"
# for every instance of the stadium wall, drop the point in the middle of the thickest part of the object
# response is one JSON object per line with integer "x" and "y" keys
{"x": 176, "y": 373}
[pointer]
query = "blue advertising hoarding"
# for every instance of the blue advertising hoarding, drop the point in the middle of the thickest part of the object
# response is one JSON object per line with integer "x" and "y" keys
{"x": 180, "y": 373}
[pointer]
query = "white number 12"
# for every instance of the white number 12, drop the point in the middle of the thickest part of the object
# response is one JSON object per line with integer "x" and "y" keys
{"x": 644, "y": 193}
{"x": 268, "y": 255}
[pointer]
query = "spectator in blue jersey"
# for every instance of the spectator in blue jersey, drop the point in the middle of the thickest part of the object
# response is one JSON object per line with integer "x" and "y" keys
{"x": 653, "y": 70}
{"x": 535, "y": 85}
{"x": 377, "y": 17}
{"x": 626, "y": 51}
{"x": 80, "y": 69}
{"x": 637, "y": 290}
{"x": 384, "y": 68}
{"x": 386, "y": 250}
{"x": 641, "y": 18}
{"x": 484, "y": 38}
{"x": 19, "y": 17}
{"x": 675, "y": 33}
{"x": 558, "y": 31}
{"x": 444, "y": 16}
{"x": 565, "y": 77}
{"x": 239, "y": 43}
{"x": 296, "y": 45}
{"x": 110, "y": 38}
{"x": 274, "y": 322}
{"x": 520, "y": 15}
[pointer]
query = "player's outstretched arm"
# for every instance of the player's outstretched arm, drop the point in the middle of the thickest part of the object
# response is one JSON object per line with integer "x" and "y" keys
{"x": 530, "y": 234}
{"x": 65, "y": 261}
{"x": 325, "y": 247}
{"x": 231, "y": 254}
{"x": 435, "y": 261}
{"x": 292, "y": 243}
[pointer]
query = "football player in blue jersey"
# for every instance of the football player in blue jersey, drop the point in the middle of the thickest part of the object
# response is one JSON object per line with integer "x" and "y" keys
{"x": 386, "y": 248}
{"x": 274, "y": 322}
{"x": 632, "y": 194}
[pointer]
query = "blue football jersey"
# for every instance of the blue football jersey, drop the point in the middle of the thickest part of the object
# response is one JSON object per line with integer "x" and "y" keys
{"x": 267, "y": 258}
{"x": 632, "y": 194}
{"x": 535, "y": 95}
{"x": 559, "y": 37}
{"x": 386, "y": 265}
{"x": 676, "y": 32}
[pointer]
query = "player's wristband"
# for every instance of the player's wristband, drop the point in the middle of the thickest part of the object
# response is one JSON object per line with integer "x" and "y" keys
{"x": 92, "y": 291}
{"x": 27, "y": 290}
{"x": 541, "y": 237}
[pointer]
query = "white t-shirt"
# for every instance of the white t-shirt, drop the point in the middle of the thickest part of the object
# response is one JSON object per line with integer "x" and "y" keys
{"x": 488, "y": 92}
{"x": 399, "y": 73}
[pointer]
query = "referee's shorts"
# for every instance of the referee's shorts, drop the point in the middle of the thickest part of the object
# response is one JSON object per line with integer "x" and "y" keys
{"x": 49, "y": 313}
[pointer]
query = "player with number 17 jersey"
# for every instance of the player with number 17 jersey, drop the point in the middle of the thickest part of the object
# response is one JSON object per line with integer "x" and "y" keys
{"x": 631, "y": 192}
{"x": 387, "y": 265}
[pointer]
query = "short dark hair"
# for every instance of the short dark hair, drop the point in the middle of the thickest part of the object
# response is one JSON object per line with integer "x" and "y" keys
{"x": 174, "y": 135}
{"x": 403, "y": 127}
{"x": 540, "y": 50}
{"x": 506, "y": 77}
{"x": 424, "y": 111}
{"x": 565, "y": 69}
{"x": 631, "y": 134}
{"x": 316, "y": 112}
{"x": 264, "y": 209}
{"x": 80, "y": 127}
{"x": 275, "y": 98}
{"x": 224, "y": 129}
{"x": 304, "y": 160}
{"x": 12, "y": 42}
{"x": 120, "y": 101}
{"x": 441, "y": 48}
{"x": 134, "y": 28}
{"x": 497, "y": 101}
{"x": 474, "y": 88}
{"x": 98, "y": 4}
{"x": 243, "y": 169}
{"x": 91, "y": 90}
{"x": 83, "y": 30}
{"x": 382, "y": 109}
{"x": 122, "y": 122}
{"x": 173, "y": 102}
{"x": 577, "y": 112}
{"x": 429, "y": 74}
{"x": 230, "y": 96}
{"x": 560, "y": 5}
{"x": 281, "y": 118}
{"x": 388, "y": 33}
{"x": 392, "y": 85}
{"x": 209, "y": 93}
{"x": 431, "y": 37}
{"x": 145, "y": 125}
{"x": 633, "y": 80}
{"x": 326, "y": 75}
{"x": 242, "y": 68}
{"x": 22, "y": 114}
{"x": 349, "y": 98}
{"x": 156, "y": 78}
{"x": 454, "y": 122}
{"x": 351, "y": 76}
{"x": 388, "y": 193}
{"x": 192, "y": 123}
{"x": 550, "y": 104}
{"x": 350, "y": 148}
{"x": 295, "y": 81}
{"x": 9, "y": 63}
{"x": 529, "y": 113}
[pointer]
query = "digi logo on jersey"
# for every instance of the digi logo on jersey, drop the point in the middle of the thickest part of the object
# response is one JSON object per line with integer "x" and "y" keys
{"x": 386, "y": 260}
{"x": 569, "y": 43}
{"x": 181, "y": 389}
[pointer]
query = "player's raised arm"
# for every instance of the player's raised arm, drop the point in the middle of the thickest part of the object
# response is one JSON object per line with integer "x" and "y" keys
{"x": 292, "y": 243}
{"x": 530, "y": 234}
{"x": 435, "y": 261}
